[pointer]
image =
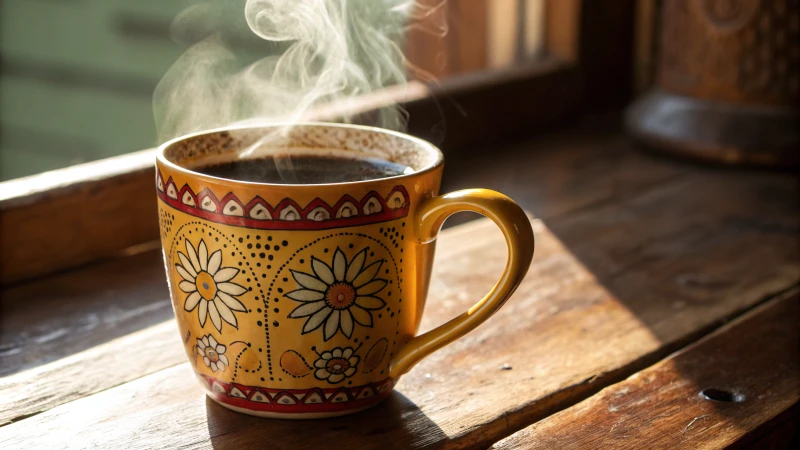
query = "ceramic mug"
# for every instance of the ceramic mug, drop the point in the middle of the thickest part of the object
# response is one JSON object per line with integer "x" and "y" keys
{"x": 303, "y": 301}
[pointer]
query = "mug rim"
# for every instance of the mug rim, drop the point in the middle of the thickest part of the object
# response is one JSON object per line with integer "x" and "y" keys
{"x": 420, "y": 145}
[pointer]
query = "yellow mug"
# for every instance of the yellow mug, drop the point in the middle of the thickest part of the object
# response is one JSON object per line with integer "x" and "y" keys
{"x": 303, "y": 300}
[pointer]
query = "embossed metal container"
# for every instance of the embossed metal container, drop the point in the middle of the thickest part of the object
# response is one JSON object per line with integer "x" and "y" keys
{"x": 727, "y": 83}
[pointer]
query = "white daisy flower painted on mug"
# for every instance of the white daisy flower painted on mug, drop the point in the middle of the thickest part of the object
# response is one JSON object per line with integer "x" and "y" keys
{"x": 337, "y": 296}
{"x": 209, "y": 286}
{"x": 213, "y": 353}
{"x": 336, "y": 365}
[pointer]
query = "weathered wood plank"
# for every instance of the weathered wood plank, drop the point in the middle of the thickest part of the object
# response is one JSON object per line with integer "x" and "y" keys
{"x": 78, "y": 310}
{"x": 655, "y": 282}
{"x": 68, "y": 217}
{"x": 118, "y": 361}
{"x": 751, "y": 365}
{"x": 584, "y": 166}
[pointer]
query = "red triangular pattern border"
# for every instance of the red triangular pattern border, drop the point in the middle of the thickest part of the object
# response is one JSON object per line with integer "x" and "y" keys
{"x": 380, "y": 390}
{"x": 304, "y": 222}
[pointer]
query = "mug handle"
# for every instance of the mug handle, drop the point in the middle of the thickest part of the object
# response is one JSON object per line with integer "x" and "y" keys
{"x": 516, "y": 228}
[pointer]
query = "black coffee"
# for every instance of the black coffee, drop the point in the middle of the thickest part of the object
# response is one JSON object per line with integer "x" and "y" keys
{"x": 305, "y": 169}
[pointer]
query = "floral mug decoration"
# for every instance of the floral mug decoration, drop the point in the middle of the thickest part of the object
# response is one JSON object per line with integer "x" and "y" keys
{"x": 303, "y": 300}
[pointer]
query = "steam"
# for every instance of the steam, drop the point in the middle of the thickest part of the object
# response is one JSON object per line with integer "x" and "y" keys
{"x": 323, "y": 51}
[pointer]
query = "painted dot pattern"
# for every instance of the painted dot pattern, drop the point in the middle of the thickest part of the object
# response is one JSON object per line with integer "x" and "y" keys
{"x": 250, "y": 250}
{"x": 165, "y": 220}
{"x": 203, "y": 230}
{"x": 391, "y": 290}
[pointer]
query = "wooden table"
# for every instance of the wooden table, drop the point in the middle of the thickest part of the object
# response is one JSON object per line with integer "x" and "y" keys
{"x": 653, "y": 282}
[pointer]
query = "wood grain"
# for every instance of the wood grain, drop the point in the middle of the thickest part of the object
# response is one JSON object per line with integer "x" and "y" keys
{"x": 586, "y": 165}
{"x": 78, "y": 310}
{"x": 72, "y": 216}
{"x": 615, "y": 287}
{"x": 118, "y": 361}
{"x": 755, "y": 359}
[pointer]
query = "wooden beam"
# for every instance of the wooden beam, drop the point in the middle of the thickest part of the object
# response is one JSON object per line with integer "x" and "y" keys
{"x": 68, "y": 217}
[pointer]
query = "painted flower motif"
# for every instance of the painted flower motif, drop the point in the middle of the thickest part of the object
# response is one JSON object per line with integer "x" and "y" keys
{"x": 336, "y": 365}
{"x": 213, "y": 353}
{"x": 336, "y": 296}
{"x": 209, "y": 286}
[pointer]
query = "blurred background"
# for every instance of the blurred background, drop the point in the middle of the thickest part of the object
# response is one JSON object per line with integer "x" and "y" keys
{"x": 78, "y": 76}
{"x": 713, "y": 80}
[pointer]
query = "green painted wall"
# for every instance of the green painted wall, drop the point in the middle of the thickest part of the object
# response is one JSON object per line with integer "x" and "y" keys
{"x": 77, "y": 76}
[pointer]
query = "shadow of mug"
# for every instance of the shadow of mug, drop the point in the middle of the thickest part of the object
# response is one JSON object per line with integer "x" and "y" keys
{"x": 383, "y": 426}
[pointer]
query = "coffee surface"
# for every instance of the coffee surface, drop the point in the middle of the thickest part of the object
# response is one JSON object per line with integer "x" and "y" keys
{"x": 304, "y": 169}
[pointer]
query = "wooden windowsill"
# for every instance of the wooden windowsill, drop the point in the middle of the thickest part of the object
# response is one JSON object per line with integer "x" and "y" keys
{"x": 636, "y": 258}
